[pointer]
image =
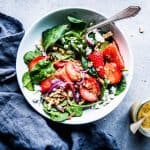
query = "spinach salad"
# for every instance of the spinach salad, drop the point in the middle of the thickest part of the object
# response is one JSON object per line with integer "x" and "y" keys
{"x": 74, "y": 70}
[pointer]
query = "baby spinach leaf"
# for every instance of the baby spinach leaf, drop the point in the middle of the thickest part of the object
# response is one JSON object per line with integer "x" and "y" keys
{"x": 41, "y": 70}
{"x": 75, "y": 20}
{"x": 31, "y": 55}
{"x": 84, "y": 62}
{"x": 26, "y": 80}
{"x": 64, "y": 103}
{"x": 74, "y": 42}
{"x": 120, "y": 87}
{"x": 75, "y": 110}
{"x": 54, "y": 114}
{"x": 58, "y": 116}
{"x": 50, "y": 36}
{"x": 91, "y": 70}
{"x": 76, "y": 24}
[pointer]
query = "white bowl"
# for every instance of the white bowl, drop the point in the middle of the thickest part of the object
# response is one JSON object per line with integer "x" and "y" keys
{"x": 33, "y": 37}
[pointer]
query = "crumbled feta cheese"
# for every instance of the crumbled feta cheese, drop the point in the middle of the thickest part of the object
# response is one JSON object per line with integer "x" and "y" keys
{"x": 91, "y": 23}
{"x": 97, "y": 106}
{"x": 66, "y": 46}
{"x": 88, "y": 50}
{"x": 113, "y": 90}
{"x": 80, "y": 46}
{"x": 72, "y": 42}
{"x": 112, "y": 96}
{"x": 63, "y": 40}
{"x": 99, "y": 37}
{"x": 36, "y": 96}
{"x": 37, "y": 88}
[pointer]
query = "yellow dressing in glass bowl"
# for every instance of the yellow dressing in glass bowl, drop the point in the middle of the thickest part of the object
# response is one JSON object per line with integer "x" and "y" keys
{"x": 144, "y": 112}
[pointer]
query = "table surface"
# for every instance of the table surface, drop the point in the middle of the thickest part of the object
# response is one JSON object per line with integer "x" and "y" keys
{"x": 117, "y": 122}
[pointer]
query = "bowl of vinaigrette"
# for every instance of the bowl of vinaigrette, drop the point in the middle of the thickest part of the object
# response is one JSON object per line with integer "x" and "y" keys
{"x": 142, "y": 110}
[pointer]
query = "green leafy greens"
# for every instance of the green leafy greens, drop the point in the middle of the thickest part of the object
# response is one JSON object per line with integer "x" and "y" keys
{"x": 120, "y": 87}
{"x": 54, "y": 114}
{"x": 41, "y": 70}
{"x": 85, "y": 65}
{"x": 31, "y": 55}
{"x": 70, "y": 110}
{"x": 50, "y": 36}
{"x": 75, "y": 110}
{"x": 26, "y": 80}
{"x": 75, "y": 20}
{"x": 77, "y": 24}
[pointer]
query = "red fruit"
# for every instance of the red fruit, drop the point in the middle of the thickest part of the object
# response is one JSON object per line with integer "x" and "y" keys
{"x": 112, "y": 54}
{"x": 45, "y": 85}
{"x": 32, "y": 64}
{"x": 73, "y": 71}
{"x": 90, "y": 89}
{"x": 112, "y": 73}
{"x": 87, "y": 95}
{"x": 98, "y": 62}
{"x": 60, "y": 64}
{"x": 61, "y": 74}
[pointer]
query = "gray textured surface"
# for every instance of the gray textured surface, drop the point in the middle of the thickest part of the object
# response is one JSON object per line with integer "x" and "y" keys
{"x": 117, "y": 122}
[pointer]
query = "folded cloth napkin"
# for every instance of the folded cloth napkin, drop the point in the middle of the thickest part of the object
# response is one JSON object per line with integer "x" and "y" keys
{"x": 20, "y": 126}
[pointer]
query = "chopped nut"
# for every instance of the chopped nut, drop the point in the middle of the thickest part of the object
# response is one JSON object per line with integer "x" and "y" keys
{"x": 56, "y": 97}
{"x": 69, "y": 52}
{"x": 61, "y": 50}
{"x": 70, "y": 93}
{"x": 100, "y": 80}
{"x": 64, "y": 94}
{"x": 107, "y": 35}
{"x": 141, "y": 29}
{"x": 55, "y": 48}
{"x": 97, "y": 47}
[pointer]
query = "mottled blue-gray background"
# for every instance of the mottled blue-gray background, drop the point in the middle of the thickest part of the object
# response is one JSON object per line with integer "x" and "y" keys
{"x": 117, "y": 122}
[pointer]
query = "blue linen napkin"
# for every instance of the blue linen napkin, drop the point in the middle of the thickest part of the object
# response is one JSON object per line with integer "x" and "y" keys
{"x": 23, "y": 128}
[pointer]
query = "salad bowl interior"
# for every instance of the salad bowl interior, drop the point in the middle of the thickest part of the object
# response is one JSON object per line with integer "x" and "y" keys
{"x": 33, "y": 36}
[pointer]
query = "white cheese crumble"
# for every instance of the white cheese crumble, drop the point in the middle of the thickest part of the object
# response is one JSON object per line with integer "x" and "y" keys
{"x": 88, "y": 50}
{"x": 99, "y": 37}
{"x": 66, "y": 46}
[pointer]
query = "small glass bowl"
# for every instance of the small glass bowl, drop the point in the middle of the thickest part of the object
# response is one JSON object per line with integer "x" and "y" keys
{"x": 134, "y": 112}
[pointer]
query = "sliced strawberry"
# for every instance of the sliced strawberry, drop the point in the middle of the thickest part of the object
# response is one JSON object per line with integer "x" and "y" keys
{"x": 61, "y": 74}
{"x": 35, "y": 61}
{"x": 90, "y": 89}
{"x": 98, "y": 62}
{"x": 87, "y": 95}
{"x": 45, "y": 85}
{"x": 60, "y": 64}
{"x": 73, "y": 71}
{"x": 112, "y": 54}
{"x": 112, "y": 73}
